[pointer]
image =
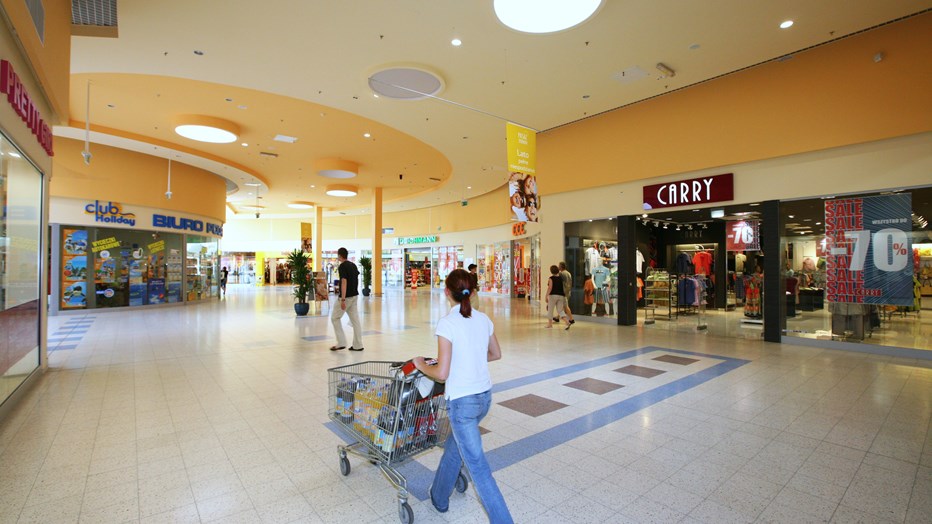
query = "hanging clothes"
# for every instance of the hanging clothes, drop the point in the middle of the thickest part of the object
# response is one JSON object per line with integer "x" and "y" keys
{"x": 752, "y": 292}
{"x": 702, "y": 262}
{"x": 684, "y": 265}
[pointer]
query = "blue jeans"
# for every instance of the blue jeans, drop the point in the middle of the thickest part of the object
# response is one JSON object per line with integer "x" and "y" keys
{"x": 464, "y": 447}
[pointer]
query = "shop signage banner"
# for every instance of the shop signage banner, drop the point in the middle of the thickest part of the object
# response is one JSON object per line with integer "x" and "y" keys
{"x": 109, "y": 213}
{"x": 519, "y": 229}
{"x": 186, "y": 224}
{"x": 522, "y": 166}
{"x": 22, "y": 103}
{"x": 743, "y": 235}
{"x": 307, "y": 237}
{"x": 869, "y": 253}
{"x": 403, "y": 241}
{"x": 703, "y": 190}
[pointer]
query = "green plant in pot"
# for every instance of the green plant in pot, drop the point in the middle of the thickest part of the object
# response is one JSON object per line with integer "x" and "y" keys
{"x": 366, "y": 264}
{"x": 300, "y": 280}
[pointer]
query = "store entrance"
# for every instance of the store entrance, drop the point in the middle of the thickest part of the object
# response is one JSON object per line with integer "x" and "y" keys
{"x": 417, "y": 267}
{"x": 702, "y": 273}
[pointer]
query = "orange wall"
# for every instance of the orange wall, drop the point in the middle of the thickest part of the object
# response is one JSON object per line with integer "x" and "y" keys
{"x": 52, "y": 60}
{"x": 134, "y": 178}
{"x": 830, "y": 96}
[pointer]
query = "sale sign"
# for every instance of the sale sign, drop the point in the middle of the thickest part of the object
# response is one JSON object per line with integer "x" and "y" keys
{"x": 743, "y": 235}
{"x": 869, "y": 250}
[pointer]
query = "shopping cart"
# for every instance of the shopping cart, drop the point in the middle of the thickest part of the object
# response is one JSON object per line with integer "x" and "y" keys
{"x": 381, "y": 407}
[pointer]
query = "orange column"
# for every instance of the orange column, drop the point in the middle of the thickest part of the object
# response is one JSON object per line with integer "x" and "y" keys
{"x": 377, "y": 241}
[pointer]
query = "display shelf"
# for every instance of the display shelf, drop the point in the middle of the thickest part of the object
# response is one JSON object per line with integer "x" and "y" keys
{"x": 660, "y": 295}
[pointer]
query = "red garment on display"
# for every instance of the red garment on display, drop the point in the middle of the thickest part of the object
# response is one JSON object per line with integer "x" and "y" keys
{"x": 702, "y": 261}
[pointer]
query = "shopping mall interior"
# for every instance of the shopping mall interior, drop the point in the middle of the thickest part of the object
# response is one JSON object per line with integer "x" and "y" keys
{"x": 740, "y": 194}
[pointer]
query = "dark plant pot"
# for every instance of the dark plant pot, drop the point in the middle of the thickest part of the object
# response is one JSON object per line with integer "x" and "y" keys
{"x": 365, "y": 292}
{"x": 302, "y": 309}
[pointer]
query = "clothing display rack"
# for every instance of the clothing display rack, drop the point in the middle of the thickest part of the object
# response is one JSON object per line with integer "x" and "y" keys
{"x": 660, "y": 295}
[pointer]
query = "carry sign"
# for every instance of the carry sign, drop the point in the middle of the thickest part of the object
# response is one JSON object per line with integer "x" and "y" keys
{"x": 869, "y": 251}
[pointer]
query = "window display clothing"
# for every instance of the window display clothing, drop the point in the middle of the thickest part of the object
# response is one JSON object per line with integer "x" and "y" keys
{"x": 639, "y": 261}
{"x": 702, "y": 261}
{"x": 593, "y": 260}
{"x": 684, "y": 265}
{"x": 740, "y": 259}
{"x": 600, "y": 276}
{"x": 753, "y": 286}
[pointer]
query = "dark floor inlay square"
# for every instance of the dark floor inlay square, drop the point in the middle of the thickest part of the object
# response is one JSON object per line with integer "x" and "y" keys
{"x": 672, "y": 359}
{"x": 594, "y": 385}
{"x": 640, "y": 371}
{"x": 532, "y": 405}
{"x": 483, "y": 431}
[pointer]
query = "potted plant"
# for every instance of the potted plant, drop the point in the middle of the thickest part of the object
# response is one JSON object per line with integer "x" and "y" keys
{"x": 300, "y": 280}
{"x": 366, "y": 264}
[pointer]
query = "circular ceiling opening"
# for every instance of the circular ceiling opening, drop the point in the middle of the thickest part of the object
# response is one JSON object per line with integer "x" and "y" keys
{"x": 544, "y": 16}
{"x": 405, "y": 83}
{"x": 336, "y": 173}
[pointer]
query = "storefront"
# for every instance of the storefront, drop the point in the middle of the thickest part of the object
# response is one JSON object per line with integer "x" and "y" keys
{"x": 445, "y": 259}
{"x": 106, "y": 254}
{"x": 847, "y": 271}
{"x": 493, "y": 263}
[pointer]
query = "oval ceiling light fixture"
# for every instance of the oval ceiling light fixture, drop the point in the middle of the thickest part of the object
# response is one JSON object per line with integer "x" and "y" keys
{"x": 336, "y": 168}
{"x": 206, "y": 129}
{"x": 456, "y": 42}
{"x": 405, "y": 82}
{"x": 544, "y": 16}
{"x": 341, "y": 190}
{"x": 300, "y": 204}
{"x": 786, "y": 24}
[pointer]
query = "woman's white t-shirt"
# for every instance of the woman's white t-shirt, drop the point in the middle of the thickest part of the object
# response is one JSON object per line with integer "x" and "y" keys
{"x": 469, "y": 366}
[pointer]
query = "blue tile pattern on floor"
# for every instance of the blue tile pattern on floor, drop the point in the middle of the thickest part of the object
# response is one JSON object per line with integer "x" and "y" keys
{"x": 69, "y": 334}
{"x": 371, "y": 332}
{"x": 408, "y": 327}
{"x": 317, "y": 338}
{"x": 419, "y": 477}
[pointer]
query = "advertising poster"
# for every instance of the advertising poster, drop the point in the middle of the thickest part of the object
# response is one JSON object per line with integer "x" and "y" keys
{"x": 108, "y": 296}
{"x": 74, "y": 269}
{"x": 522, "y": 180}
{"x": 137, "y": 294}
{"x": 104, "y": 270}
{"x": 74, "y": 296}
{"x": 743, "y": 235}
{"x": 156, "y": 290}
{"x": 173, "y": 292}
{"x": 869, "y": 251}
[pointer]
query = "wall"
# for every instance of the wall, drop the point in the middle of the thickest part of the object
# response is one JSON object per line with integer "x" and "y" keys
{"x": 50, "y": 60}
{"x": 135, "y": 178}
{"x": 830, "y": 96}
{"x": 895, "y": 163}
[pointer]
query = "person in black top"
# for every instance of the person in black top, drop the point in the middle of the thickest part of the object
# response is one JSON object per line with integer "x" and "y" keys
{"x": 349, "y": 294}
{"x": 224, "y": 273}
{"x": 556, "y": 300}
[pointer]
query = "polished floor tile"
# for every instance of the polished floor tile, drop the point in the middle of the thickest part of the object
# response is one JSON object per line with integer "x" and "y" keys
{"x": 218, "y": 412}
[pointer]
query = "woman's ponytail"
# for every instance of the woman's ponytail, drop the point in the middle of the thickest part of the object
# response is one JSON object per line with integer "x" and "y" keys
{"x": 460, "y": 284}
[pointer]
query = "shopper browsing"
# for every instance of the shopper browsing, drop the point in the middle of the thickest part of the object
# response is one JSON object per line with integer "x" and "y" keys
{"x": 466, "y": 342}
{"x": 556, "y": 300}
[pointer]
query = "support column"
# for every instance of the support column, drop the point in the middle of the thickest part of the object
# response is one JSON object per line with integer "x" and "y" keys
{"x": 774, "y": 299}
{"x": 377, "y": 241}
{"x": 627, "y": 271}
{"x": 318, "y": 238}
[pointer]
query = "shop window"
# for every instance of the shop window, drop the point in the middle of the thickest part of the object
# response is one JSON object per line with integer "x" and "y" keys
{"x": 20, "y": 238}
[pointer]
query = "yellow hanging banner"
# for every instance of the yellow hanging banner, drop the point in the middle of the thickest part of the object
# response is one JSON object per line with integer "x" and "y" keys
{"x": 522, "y": 149}
{"x": 522, "y": 166}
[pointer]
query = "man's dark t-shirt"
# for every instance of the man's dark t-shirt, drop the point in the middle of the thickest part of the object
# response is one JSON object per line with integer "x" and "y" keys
{"x": 350, "y": 272}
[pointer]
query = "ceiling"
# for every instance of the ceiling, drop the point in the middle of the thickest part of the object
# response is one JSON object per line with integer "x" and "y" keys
{"x": 302, "y": 68}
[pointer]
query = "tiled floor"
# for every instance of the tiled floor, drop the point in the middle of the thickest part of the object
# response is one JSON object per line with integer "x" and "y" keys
{"x": 218, "y": 413}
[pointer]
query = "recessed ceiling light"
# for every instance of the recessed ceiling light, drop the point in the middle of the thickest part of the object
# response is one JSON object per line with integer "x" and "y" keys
{"x": 285, "y": 138}
{"x": 786, "y": 24}
{"x": 791, "y": 216}
{"x": 456, "y": 42}
{"x": 342, "y": 190}
{"x": 468, "y": 187}
{"x": 244, "y": 144}
{"x": 206, "y": 129}
{"x": 253, "y": 184}
{"x": 313, "y": 186}
{"x": 375, "y": 95}
{"x": 818, "y": 223}
{"x": 754, "y": 204}
{"x": 534, "y": 16}
{"x": 644, "y": 215}
{"x": 298, "y": 204}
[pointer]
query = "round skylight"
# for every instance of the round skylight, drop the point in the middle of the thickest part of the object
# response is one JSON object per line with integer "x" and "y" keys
{"x": 206, "y": 129}
{"x": 405, "y": 83}
{"x": 544, "y": 16}
{"x": 300, "y": 205}
{"x": 341, "y": 190}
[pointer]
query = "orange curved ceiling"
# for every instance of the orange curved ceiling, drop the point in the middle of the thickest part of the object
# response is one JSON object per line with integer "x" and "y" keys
{"x": 288, "y": 62}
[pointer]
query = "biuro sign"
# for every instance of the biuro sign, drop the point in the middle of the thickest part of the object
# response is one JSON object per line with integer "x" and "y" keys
{"x": 17, "y": 96}
{"x": 718, "y": 188}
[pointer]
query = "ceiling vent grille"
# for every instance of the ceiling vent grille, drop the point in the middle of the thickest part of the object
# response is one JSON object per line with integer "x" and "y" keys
{"x": 94, "y": 18}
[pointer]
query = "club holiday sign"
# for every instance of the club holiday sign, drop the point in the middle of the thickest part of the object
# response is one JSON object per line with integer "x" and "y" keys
{"x": 868, "y": 260}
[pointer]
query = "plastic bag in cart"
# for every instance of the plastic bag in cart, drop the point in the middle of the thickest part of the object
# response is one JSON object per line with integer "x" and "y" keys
{"x": 426, "y": 387}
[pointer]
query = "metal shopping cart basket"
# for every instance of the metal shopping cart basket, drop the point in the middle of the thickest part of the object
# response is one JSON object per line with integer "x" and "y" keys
{"x": 382, "y": 409}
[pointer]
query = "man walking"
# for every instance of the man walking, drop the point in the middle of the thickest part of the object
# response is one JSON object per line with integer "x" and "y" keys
{"x": 348, "y": 295}
{"x": 567, "y": 279}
